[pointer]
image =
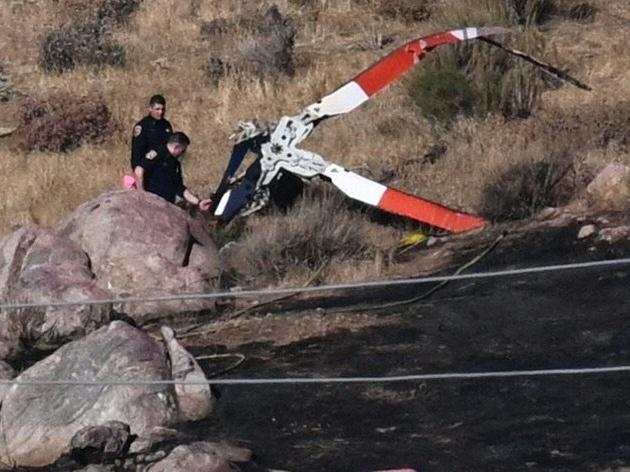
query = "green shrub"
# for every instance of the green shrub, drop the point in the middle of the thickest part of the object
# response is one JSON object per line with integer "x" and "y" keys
{"x": 442, "y": 92}
{"x": 482, "y": 78}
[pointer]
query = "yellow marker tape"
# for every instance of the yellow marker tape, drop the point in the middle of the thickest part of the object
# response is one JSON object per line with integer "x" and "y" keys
{"x": 413, "y": 239}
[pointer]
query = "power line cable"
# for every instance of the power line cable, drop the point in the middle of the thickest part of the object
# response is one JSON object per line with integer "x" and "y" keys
{"x": 324, "y": 288}
{"x": 336, "y": 380}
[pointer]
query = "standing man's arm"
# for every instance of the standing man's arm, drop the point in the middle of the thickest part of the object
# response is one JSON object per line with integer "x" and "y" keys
{"x": 138, "y": 173}
{"x": 144, "y": 166}
{"x": 138, "y": 145}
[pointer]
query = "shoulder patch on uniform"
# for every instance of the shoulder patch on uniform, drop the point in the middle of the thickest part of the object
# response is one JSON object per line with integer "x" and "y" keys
{"x": 137, "y": 130}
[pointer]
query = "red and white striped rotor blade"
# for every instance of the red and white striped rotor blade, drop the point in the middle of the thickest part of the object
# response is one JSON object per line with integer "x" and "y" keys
{"x": 401, "y": 203}
{"x": 375, "y": 78}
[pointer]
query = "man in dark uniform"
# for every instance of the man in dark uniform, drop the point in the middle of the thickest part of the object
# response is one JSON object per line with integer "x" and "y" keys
{"x": 161, "y": 172}
{"x": 151, "y": 132}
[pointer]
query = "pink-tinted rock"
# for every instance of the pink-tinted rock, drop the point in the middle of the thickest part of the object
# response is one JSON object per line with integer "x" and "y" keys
{"x": 202, "y": 457}
{"x": 37, "y": 422}
{"x": 39, "y": 266}
{"x": 140, "y": 245}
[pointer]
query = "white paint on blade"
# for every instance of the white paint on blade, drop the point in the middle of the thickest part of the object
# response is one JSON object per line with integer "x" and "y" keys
{"x": 222, "y": 203}
{"x": 467, "y": 33}
{"x": 355, "y": 186}
{"x": 342, "y": 100}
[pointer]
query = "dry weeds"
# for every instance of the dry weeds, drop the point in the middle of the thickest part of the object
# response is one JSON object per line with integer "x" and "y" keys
{"x": 319, "y": 233}
{"x": 281, "y": 330}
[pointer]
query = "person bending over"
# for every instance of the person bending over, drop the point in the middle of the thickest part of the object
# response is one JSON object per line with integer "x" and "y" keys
{"x": 161, "y": 172}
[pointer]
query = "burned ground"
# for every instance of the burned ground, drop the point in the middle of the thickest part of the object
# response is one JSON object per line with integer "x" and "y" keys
{"x": 537, "y": 321}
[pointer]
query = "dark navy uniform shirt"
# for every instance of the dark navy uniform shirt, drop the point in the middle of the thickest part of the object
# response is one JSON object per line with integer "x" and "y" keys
{"x": 148, "y": 134}
{"x": 163, "y": 175}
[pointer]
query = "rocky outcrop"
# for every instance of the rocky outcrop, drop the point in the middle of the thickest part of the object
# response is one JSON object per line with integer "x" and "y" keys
{"x": 39, "y": 266}
{"x": 38, "y": 422}
{"x": 141, "y": 245}
{"x": 610, "y": 189}
{"x": 202, "y": 457}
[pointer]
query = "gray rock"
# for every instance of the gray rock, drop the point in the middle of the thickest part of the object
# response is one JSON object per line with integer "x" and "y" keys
{"x": 196, "y": 401}
{"x": 103, "y": 443}
{"x": 611, "y": 187}
{"x": 6, "y": 373}
{"x": 157, "y": 435}
{"x": 586, "y": 231}
{"x": 614, "y": 235}
{"x": 202, "y": 457}
{"x": 37, "y": 422}
{"x": 7, "y": 131}
{"x": 39, "y": 266}
{"x": 141, "y": 245}
{"x": 96, "y": 468}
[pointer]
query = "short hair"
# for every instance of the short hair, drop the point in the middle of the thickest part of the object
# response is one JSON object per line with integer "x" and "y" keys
{"x": 179, "y": 138}
{"x": 157, "y": 100}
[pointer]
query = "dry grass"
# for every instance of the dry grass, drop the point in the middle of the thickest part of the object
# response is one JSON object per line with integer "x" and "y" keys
{"x": 165, "y": 54}
{"x": 319, "y": 232}
{"x": 281, "y": 330}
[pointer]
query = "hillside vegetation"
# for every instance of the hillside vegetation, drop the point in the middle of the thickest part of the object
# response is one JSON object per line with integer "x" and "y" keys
{"x": 471, "y": 127}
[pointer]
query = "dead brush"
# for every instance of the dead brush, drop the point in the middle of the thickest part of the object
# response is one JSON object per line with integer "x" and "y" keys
{"x": 88, "y": 38}
{"x": 87, "y": 43}
{"x": 259, "y": 45}
{"x": 318, "y": 229}
{"x": 62, "y": 122}
{"x": 523, "y": 190}
{"x": 406, "y": 10}
{"x": 6, "y": 87}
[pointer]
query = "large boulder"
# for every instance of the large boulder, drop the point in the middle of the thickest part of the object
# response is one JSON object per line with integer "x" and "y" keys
{"x": 38, "y": 422}
{"x": 611, "y": 187}
{"x": 39, "y": 266}
{"x": 141, "y": 245}
{"x": 202, "y": 457}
